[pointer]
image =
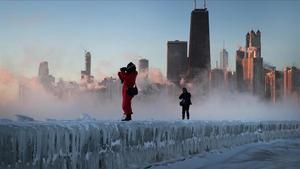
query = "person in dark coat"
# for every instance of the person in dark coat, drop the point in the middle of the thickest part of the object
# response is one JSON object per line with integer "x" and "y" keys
{"x": 127, "y": 76}
{"x": 185, "y": 103}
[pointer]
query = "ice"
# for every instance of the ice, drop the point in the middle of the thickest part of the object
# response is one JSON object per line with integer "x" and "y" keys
{"x": 24, "y": 118}
{"x": 90, "y": 144}
{"x": 268, "y": 155}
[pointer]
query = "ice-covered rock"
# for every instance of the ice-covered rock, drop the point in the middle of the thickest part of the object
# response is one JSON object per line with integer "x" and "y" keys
{"x": 94, "y": 144}
{"x": 24, "y": 118}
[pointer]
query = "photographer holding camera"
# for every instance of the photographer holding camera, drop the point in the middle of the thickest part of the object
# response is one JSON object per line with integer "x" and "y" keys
{"x": 128, "y": 76}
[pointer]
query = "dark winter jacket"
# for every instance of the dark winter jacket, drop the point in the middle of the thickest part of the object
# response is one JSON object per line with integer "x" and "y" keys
{"x": 185, "y": 99}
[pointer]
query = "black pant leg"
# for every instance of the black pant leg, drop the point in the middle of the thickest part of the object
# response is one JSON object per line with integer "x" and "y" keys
{"x": 183, "y": 112}
{"x": 188, "y": 112}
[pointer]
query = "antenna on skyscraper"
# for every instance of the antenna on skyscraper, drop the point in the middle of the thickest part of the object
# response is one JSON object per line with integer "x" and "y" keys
{"x": 223, "y": 44}
{"x": 195, "y": 4}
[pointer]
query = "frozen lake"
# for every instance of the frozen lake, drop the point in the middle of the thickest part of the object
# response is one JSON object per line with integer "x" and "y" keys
{"x": 277, "y": 154}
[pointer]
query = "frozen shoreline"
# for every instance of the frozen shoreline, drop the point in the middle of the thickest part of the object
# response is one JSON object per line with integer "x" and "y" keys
{"x": 269, "y": 155}
{"x": 92, "y": 144}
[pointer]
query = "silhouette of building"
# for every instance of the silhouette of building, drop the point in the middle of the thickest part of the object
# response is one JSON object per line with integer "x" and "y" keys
{"x": 144, "y": 67}
{"x": 86, "y": 74}
{"x": 111, "y": 87}
{"x": 230, "y": 80}
{"x": 199, "y": 46}
{"x": 217, "y": 78}
{"x": 224, "y": 59}
{"x": 240, "y": 55}
{"x": 45, "y": 78}
{"x": 43, "y": 69}
{"x": 176, "y": 61}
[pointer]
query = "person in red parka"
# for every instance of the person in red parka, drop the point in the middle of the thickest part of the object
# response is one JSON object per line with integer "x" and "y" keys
{"x": 127, "y": 76}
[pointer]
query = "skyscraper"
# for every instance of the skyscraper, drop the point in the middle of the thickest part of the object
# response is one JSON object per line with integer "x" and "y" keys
{"x": 45, "y": 79}
{"x": 240, "y": 55}
{"x": 86, "y": 74}
{"x": 199, "y": 45}
{"x": 144, "y": 67}
{"x": 270, "y": 83}
{"x": 88, "y": 63}
{"x": 176, "y": 60}
{"x": 253, "y": 64}
{"x": 254, "y": 40}
{"x": 291, "y": 80}
{"x": 43, "y": 69}
{"x": 224, "y": 59}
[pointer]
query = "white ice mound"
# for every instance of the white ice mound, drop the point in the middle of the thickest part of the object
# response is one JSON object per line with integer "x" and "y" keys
{"x": 86, "y": 117}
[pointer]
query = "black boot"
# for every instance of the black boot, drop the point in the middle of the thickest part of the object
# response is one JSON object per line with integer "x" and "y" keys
{"x": 127, "y": 118}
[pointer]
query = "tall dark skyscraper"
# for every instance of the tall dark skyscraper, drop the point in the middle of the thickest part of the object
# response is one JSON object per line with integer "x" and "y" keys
{"x": 176, "y": 60}
{"x": 199, "y": 47}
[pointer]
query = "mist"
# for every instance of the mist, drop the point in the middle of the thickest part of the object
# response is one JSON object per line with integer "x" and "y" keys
{"x": 157, "y": 100}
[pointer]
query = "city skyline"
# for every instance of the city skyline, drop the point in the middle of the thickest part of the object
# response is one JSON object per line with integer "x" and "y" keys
{"x": 61, "y": 40}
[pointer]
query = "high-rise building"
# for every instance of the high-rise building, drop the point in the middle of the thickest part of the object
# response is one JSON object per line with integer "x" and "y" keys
{"x": 278, "y": 85}
{"x": 224, "y": 59}
{"x": 270, "y": 83}
{"x": 88, "y": 63}
{"x": 254, "y": 40}
{"x": 217, "y": 78}
{"x": 253, "y": 64}
{"x": 144, "y": 67}
{"x": 45, "y": 79}
{"x": 176, "y": 60}
{"x": 291, "y": 81}
{"x": 240, "y": 55}
{"x": 43, "y": 69}
{"x": 230, "y": 79}
{"x": 86, "y": 74}
{"x": 199, "y": 45}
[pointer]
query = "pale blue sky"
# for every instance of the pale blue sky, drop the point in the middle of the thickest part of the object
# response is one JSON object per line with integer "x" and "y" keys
{"x": 118, "y": 31}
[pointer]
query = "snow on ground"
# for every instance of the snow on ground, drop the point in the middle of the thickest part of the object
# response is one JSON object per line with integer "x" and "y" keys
{"x": 277, "y": 154}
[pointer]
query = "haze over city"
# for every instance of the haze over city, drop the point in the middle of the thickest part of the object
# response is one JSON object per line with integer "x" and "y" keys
{"x": 116, "y": 32}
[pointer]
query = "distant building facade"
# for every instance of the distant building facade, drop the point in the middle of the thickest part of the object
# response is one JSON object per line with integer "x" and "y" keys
{"x": 291, "y": 81}
{"x": 217, "y": 78}
{"x": 144, "y": 67}
{"x": 249, "y": 65}
{"x": 176, "y": 61}
{"x": 47, "y": 80}
{"x": 239, "y": 63}
{"x": 270, "y": 83}
{"x": 86, "y": 74}
{"x": 224, "y": 59}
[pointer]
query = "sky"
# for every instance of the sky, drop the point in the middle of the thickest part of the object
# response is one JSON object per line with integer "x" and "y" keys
{"x": 119, "y": 31}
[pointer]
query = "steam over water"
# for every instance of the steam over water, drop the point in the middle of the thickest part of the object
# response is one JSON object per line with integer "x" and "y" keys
{"x": 161, "y": 104}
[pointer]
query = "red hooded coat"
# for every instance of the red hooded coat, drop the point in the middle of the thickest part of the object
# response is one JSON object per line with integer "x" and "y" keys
{"x": 128, "y": 81}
